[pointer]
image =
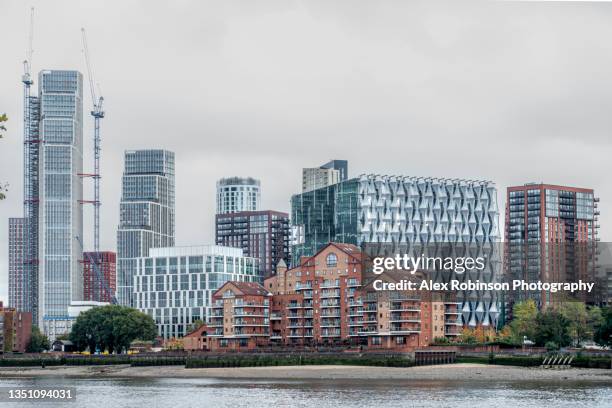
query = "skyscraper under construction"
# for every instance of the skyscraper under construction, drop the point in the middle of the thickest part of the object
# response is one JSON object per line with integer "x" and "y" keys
{"x": 49, "y": 276}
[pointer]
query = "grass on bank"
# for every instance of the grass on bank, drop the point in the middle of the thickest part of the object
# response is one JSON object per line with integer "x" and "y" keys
{"x": 204, "y": 361}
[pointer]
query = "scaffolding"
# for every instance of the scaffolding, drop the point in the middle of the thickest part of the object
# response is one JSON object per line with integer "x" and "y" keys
{"x": 31, "y": 155}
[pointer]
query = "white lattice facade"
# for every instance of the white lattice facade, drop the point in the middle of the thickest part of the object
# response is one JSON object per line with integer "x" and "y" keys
{"x": 405, "y": 211}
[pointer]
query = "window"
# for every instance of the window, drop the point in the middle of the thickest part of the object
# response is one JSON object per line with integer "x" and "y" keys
{"x": 332, "y": 260}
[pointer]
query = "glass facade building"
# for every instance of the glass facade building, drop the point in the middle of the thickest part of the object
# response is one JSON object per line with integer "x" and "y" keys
{"x": 400, "y": 212}
{"x": 146, "y": 213}
{"x": 60, "y": 190}
{"x": 236, "y": 194}
{"x": 175, "y": 285}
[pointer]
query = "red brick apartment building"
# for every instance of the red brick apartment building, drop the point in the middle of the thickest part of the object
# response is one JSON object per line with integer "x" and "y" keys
{"x": 322, "y": 302}
{"x": 549, "y": 235}
{"x": 15, "y": 330}
{"x": 100, "y": 285}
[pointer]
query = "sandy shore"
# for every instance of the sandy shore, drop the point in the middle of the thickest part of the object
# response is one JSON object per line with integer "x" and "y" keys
{"x": 463, "y": 372}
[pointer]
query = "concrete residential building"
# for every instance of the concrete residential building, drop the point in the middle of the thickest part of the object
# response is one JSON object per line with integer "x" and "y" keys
{"x": 61, "y": 194}
{"x": 543, "y": 224}
{"x": 17, "y": 293}
{"x": 175, "y": 285}
{"x": 146, "y": 218}
{"x": 100, "y": 285}
{"x": 260, "y": 234}
{"x": 398, "y": 210}
{"x": 326, "y": 175}
{"x": 237, "y": 194}
{"x": 15, "y": 329}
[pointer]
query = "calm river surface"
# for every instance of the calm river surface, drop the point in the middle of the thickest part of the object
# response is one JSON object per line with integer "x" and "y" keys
{"x": 175, "y": 393}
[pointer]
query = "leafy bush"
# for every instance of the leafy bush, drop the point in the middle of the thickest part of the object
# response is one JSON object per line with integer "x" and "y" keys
{"x": 551, "y": 346}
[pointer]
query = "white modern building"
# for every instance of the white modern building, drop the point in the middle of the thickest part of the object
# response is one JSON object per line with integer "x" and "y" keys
{"x": 238, "y": 194}
{"x": 175, "y": 285}
{"x": 325, "y": 175}
{"x": 313, "y": 178}
{"x": 147, "y": 208}
{"x": 60, "y": 278}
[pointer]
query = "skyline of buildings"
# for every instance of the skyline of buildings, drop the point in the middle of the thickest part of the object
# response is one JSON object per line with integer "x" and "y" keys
{"x": 369, "y": 209}
{"x": 146, "y": 213}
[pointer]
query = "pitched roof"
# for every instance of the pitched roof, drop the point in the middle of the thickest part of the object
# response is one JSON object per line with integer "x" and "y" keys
{"x": 247, "y": 288}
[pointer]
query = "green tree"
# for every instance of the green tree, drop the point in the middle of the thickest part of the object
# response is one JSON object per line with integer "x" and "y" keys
{"x": 38, "y": 342}
{"x": 111, "y": 328}
{"x": 195, "y": 325}
{"x": 552, "y": 326}
{"x": 3, "y": 186}
{"x": 603, "y": 333}
{"x": 577, "y": 315}
{"x": 3, "y": 118}
{"x": 524, "y": 320}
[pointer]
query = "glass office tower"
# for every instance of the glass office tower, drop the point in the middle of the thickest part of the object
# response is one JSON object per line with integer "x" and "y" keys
{"x": 146, "y": 218}
{"x": 61, "y": 190}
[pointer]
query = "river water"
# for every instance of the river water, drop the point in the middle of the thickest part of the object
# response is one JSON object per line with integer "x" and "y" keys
{"x": 218, "y": 393}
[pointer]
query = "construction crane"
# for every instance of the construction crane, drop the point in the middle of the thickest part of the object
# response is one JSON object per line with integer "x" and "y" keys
{"x": 99, "y": 274}
{"x": 98, "y": 113}
{"x": 31, "y": 145}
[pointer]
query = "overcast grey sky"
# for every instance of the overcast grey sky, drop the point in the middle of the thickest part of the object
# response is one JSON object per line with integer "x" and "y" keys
{"x": 511, "y": 92}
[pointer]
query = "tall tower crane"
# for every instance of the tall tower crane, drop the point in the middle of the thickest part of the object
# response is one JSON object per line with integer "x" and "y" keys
{"x": 30, "y": 183}
{"x": 97, "y": 114}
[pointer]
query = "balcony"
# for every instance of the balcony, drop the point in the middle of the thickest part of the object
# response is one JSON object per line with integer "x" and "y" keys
{"x": 253, "y": 323}
{"x": 330, "y": 284}
{"x": 240, "y": 312}
{"x": 330, "y": 303}
{"x": 294, "y": 305}
{"x": 351, "y": 283}
{"x": 330, "y": 294}
{"x": 240, "y": 303}
{"x": 357, "y": 312}
{"x": 367, "y": 331}
{"x": 303, "y": 286}
{"x": 404, "y": 329}
{"x": 330, "y": 333}
{"x": 404, "y": 308}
